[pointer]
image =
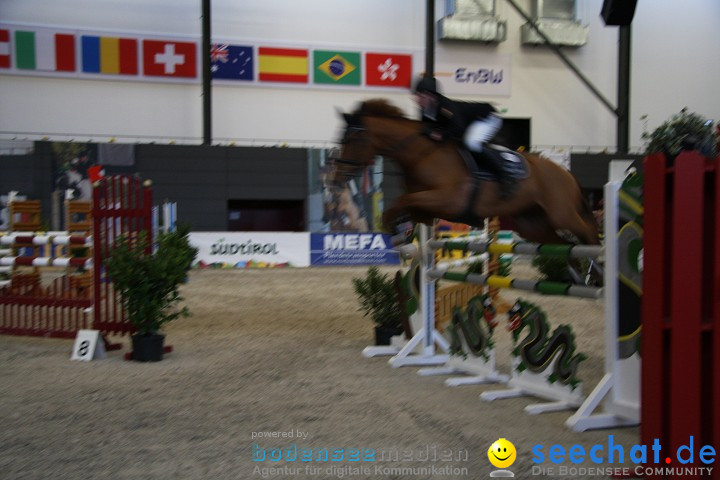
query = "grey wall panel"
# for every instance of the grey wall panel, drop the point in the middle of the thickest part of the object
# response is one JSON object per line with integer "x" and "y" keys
{"x": 591, "y": 170}
{"x": 262, "y": 192}
{"x": 202, "y": 179}
{"x": 31, "y": 175}
{"x": 180, "y": 178}
{"x": 393, "y": 182}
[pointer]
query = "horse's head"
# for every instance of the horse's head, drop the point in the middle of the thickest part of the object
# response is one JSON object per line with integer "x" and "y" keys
{"x": 355, "y": 152}
{"x": 366, "y": 135}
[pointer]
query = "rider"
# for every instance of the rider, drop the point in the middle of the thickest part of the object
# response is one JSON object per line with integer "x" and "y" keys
{"x": 473, "y": 122}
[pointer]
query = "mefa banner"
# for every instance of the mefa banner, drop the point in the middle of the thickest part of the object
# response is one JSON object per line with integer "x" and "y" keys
{"x": 490, "y": 76}
{"x": 251, "y": 249}
{"x": 352, "y": 249}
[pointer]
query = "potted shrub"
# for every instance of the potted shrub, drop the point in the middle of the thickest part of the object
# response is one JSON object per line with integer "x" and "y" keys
{"x": 378, "y": 299}
{"x": 683, "y": 131}
{"x": 149, "y": 285}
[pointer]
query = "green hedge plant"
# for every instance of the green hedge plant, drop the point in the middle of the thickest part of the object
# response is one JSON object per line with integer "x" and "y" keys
{"x": 149, "y": 283}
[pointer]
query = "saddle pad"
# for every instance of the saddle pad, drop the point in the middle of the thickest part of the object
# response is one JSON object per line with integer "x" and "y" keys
{"x": 515, "y": 164}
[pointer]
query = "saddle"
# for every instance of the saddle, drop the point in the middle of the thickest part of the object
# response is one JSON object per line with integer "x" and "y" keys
{"x": 495, "y": 161}
{"x": 492, "y": 163}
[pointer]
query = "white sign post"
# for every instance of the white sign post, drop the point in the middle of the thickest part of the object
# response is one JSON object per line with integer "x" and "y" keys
{"x": 88, "y": 345}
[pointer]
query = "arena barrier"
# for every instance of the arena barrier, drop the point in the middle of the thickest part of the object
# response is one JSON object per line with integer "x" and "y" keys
{"x": 681, "y": 302}
{"x": 78, "y": 299}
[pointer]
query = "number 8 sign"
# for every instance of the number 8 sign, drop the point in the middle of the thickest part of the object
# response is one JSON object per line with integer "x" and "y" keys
{"x": 88, "y": 345}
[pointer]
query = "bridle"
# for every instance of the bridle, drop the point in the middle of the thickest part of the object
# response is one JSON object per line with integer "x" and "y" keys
{"x": 388, "y": 152}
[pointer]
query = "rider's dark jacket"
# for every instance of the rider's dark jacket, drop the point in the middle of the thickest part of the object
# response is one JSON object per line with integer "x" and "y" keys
{"x": 452, "y": 117}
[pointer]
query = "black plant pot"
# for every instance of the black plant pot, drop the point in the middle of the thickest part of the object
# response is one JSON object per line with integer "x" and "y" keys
{"x": 384, "y": 334}
{"x": 147, "y": 348}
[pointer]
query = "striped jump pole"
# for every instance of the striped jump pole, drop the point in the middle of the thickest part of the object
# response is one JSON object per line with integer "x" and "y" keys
{"x": 45, "y": 262}
{"x": 520, "y": 248}
{"x": 538, "y": 286}
{"x": 47, "y": 239}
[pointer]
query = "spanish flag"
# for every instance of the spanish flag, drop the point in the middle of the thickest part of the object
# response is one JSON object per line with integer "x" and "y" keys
{"x": 283, "y": 65}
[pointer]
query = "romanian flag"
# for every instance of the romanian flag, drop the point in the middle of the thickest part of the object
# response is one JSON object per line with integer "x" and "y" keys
{"x": 44, "y": 50}
{"x": 109, "y": 55}
{"x": 336, "y": 67}
{"x": 283, "y": 65}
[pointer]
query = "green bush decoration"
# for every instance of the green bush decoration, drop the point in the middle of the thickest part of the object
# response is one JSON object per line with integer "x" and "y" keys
{"x": 555, "y": 269}
{"x": 149, "y": 283}
{"x": 682, "y": 131}
{"x": 378, "y": 298}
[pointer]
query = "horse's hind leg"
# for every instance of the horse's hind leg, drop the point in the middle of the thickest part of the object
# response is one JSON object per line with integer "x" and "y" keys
{"x": 534, "y": 226}
{"x": 576, "y": 218}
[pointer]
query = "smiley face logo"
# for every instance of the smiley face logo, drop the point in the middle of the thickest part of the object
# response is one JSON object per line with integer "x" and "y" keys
{"x": 502, "y": 453}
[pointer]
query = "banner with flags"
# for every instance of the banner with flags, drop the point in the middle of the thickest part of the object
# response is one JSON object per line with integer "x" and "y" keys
{"x": 44, "y": 50}
{"x": 339, "y": 68}
{"x": 388, "y": 69}
{"x": 163, "y": 58}
{"x": 83, "y": 53}
{"x": 287, "y": 65}
{"x": 109, "y": 55}
{"x": 232, "y": 62}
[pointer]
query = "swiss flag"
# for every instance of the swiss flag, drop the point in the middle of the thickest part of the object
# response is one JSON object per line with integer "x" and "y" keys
{"x": 388, "y": 69}
{"x": 169, "y": 59}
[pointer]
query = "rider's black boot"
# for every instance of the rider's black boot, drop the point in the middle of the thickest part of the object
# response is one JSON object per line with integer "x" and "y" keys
{"x": 498, "y": 164}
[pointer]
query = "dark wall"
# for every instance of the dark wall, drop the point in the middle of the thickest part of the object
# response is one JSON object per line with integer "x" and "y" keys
{"x": 591, "y": 169}
{"x": 202, "y": 180}
{"x": 31, "y": 175}
{"x": 393, "y": 182}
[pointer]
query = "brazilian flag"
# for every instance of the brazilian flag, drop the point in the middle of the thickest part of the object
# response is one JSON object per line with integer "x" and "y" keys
{"x": 340, "y": 68}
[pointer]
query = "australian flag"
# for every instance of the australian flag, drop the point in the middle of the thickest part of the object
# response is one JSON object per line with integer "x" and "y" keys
{"x": 232, "y": 62}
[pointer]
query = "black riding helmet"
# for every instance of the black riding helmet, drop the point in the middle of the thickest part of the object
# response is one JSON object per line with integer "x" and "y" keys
{"x": 426, "y": 85}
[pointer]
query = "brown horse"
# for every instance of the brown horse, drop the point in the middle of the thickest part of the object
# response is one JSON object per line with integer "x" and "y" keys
{"x": 545, "y": 206}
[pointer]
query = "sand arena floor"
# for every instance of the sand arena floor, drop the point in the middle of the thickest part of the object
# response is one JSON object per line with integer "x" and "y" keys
{"x": 270, "y": 351}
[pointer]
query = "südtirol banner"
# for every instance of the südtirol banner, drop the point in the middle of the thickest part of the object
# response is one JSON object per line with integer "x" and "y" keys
{"x": 251, "y": 249}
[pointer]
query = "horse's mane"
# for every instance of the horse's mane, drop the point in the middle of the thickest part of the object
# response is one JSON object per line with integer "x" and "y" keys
{"x": 379, "y": 107}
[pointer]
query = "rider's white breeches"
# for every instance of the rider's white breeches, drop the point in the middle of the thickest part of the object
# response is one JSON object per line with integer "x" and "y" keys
{"x": 480, "y": 131}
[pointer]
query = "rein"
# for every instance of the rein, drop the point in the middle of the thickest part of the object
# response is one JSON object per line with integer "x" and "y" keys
{"x": 400, "y": 145}
{"x": 389, "y": 152}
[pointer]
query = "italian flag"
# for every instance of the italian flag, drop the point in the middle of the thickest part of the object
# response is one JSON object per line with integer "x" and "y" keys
{"x": 44, "y": 50}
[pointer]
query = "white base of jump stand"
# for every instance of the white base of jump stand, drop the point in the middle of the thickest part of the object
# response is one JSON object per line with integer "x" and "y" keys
{"x": 561, "y": 397}
{"x": 479, "y": 371}
{"x": 407, "y": 356}
{"x": 619, "y": 400}
{"x": 396, "y": 344}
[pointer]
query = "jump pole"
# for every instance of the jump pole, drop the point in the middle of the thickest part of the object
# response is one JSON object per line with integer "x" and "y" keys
{"x": 618, "y": 392}
{"x": 427, "y": 336}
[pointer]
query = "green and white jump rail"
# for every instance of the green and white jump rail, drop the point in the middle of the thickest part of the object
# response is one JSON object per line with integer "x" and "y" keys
{"x": 538, "y": 286}
{"x": 520, "y": 248}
